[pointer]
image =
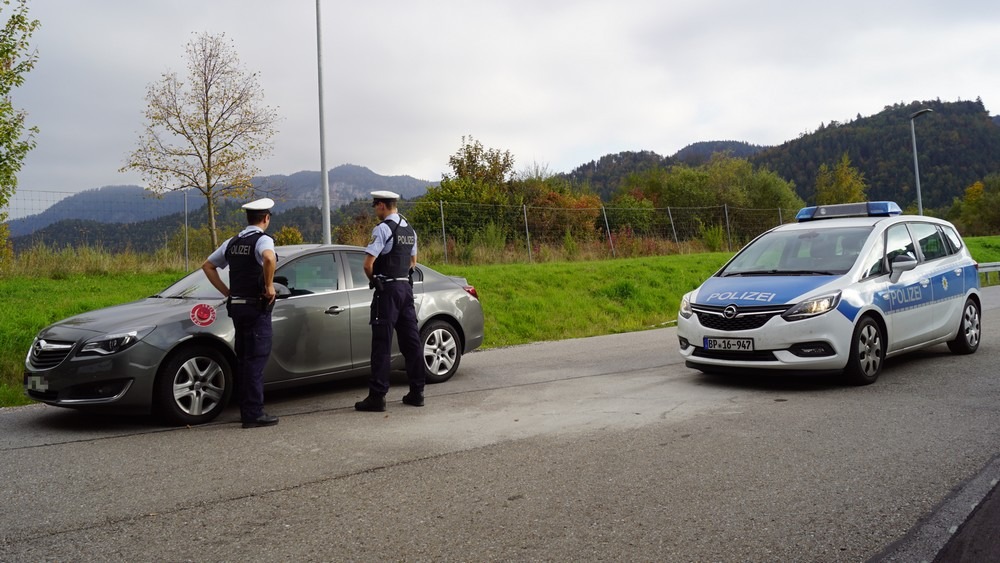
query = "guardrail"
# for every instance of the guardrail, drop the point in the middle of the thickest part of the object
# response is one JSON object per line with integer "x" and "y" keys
{"x": 985, "y": 268}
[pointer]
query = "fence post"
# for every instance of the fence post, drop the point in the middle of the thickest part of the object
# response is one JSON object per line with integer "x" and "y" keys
{"x": 729, "y": 235}
{"x": 444, "y": 238}
{"x": 672, "y": 226}
{"x": 608, "y": 228}
{"x": 186, "y": 267}
{"x": 781, "y": 221}
{"x": 527, "y": 234}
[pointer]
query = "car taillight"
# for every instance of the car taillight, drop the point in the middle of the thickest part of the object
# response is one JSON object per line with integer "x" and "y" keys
{"x": 471, "y": 291}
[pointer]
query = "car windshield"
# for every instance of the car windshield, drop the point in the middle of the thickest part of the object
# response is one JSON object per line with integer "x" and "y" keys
{"x": 195, "y": 286}
{"x": 813, "y": 252}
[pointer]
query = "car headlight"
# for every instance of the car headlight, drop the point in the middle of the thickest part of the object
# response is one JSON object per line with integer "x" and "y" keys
{"x": 113, "y": 343}
{"x": 685, "y": 310}
{"x": 813, "y": 307}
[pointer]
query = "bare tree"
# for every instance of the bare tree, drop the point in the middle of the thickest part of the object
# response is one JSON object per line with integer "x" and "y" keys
{"x": 207, "y": 133}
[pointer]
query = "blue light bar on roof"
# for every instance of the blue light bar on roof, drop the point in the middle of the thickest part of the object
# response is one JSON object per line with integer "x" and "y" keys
{"x": 862, "y": 209}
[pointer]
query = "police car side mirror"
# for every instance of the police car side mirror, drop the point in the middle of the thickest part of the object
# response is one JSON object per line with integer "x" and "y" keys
{"x": 901, "y": 263}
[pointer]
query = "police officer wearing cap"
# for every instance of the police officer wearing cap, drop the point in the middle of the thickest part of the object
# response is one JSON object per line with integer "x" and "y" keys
{"x": 391, "y": 257}
{"x": 249, "y": 299}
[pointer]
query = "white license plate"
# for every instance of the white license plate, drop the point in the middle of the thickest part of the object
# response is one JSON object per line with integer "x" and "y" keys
{"x": 729, "y": 344}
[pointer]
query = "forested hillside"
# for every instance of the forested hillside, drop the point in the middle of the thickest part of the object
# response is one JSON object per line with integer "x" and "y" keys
{"x": 957, "y": 145}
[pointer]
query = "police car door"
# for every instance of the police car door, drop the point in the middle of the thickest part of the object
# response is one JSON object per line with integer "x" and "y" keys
{"x": 312, "y": 335}
{"x": 944, "y": 269}
{"x": 909, "y": 297}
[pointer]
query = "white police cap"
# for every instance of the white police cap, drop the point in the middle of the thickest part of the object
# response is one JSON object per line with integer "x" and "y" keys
{"x": 383, "y": 194}
{"x": 262, "y": 204}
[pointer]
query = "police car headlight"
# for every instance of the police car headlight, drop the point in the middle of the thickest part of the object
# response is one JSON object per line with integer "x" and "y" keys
{"x": 113, "y": 343}
{"x": 813, "y": 307}
{"x": 685, "y": 310}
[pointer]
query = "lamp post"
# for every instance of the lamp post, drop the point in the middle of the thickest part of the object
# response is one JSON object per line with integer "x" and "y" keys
{"x": 324, "y": 179}
{"x": 916, "y": 167}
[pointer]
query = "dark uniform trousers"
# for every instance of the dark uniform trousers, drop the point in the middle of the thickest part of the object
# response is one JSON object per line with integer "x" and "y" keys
{"x": 392, "y": 308}
{"x": 253, "y": 347}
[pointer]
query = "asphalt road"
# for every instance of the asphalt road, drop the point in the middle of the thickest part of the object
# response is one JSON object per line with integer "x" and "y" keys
{"x": 603, "y": 448}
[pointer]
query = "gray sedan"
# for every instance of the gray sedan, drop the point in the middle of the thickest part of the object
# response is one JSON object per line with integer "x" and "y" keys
{"x": 172, "y": 353}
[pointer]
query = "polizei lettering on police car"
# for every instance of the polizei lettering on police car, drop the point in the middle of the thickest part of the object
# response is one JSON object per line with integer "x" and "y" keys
{"x": 742, "y": 296}
{"x": 905, "y": 295}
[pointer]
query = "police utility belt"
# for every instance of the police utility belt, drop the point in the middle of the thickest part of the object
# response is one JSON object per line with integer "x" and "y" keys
{"x": 261, "y": 304}
{"x": 379, "y": 280}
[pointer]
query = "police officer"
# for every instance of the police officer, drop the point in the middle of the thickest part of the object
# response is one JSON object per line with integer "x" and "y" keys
{"x": 251, "y": 259}
{"x": 392, "y": 255}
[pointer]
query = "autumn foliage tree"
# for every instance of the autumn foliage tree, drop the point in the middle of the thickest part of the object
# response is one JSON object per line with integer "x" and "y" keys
{"x": 205, "y": 133}
{"x": 842, "y": 184}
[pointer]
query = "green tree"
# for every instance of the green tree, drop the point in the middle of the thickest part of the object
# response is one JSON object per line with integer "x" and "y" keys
{"x": 843, "y": 184}
{"x": 476, "y": 192}
{"x": 207, "y": 133}
{"x": 288, "y": 235}
{"x": 16, "y": 60}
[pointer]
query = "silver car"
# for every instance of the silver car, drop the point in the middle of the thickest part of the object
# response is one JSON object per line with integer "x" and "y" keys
{"x": 172, "y": 353}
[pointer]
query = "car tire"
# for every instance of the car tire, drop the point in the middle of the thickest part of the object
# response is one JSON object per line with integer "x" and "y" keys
{"x": 442, "y": 351}
{"x": 969, "y": 330}
{"x": 193, "y": 386}
{"x": 867, "y": 352}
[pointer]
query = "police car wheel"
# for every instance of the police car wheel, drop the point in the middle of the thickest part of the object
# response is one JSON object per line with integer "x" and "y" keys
{"x": 969, "y": 330}
{"x": 193, "y": 386}
{"x": 442, "y": 351}
{"x": 867, "y": 353}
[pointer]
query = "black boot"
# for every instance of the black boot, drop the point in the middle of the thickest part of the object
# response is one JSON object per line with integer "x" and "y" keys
{"x": 374, "y": 402}
{"x": 414, "y": 399}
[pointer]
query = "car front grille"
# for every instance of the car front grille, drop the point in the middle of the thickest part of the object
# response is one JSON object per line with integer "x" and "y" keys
{"x": 756, "y": 356}
{"x": 46, "y": 354}
{"x": 746, "y": 318}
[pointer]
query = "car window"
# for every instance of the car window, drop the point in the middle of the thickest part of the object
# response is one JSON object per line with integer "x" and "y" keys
{"x": 953, "y": 238}
{"x": 898, "y": 242}
{"x": 874, "y": 263}
{"x": 931, "y": 243}
{"x": 356, "y": 265}
{"x": 311, "y": 274}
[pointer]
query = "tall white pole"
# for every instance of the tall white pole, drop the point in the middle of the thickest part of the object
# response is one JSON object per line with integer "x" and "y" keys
{"x": 916, "y": 168}
{"x": 322, "y": 130}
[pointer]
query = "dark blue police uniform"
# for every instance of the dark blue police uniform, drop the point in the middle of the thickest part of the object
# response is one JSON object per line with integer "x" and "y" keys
{"x": 392, "y": 309}
{"x": 251, "y": 316}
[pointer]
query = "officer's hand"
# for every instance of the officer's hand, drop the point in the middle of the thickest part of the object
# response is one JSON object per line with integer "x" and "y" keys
{"x": 269, "y": 293}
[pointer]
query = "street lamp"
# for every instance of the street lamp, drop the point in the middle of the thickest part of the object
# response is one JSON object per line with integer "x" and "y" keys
{"x": 916, "y": 168}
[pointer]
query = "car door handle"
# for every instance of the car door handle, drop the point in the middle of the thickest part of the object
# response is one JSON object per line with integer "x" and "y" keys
{"x": 925, "y": 282}
{"x": 335, "y": 310}
{"x": 958, "y": 271}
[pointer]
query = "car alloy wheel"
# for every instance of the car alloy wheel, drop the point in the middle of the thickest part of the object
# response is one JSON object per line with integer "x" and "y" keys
{"x": 969, "y": 330}
{"x": 194, "y": 386}
{"x": 442, "y": 351}
{"x": 867, "y": 353}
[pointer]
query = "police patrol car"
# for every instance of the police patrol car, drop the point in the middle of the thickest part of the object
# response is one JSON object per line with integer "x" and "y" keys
{"x": 840, "y": 290}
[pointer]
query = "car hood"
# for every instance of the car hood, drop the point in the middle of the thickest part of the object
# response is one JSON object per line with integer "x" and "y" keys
{"x": 145, "y": 312}
{"x": 759, "y": 290}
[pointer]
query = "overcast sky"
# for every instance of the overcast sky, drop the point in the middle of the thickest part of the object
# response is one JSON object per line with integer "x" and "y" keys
{"x": 557, "y": 82}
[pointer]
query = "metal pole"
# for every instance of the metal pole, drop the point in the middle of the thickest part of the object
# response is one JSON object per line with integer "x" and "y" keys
{"x": 729, "y": 236}
{"x": 186, "y": 267}
{"x": 444, "y": 238}
{"x": 673, "y": 227}
{"x": 527, "y": 234}
{"x": 916, "y": 168}
{"x": 325, "y": 182}
{"x": 608, "y": 228}
{"x": 780, "y": 220}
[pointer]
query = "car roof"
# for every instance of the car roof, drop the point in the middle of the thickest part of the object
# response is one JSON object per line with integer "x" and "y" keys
{"x": 858, "y": 222}
{"x": 293, "y": 250}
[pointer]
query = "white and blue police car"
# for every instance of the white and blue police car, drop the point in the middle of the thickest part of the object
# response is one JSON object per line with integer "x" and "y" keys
{"x": 840, "y": 290}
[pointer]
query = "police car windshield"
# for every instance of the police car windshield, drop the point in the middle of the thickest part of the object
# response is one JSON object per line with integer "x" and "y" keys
{"x": 195, "y": 286}
{"x": 818, "y": 252}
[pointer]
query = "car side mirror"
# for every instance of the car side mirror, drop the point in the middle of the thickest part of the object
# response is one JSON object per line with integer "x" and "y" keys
{"x": 901, "y": 263}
